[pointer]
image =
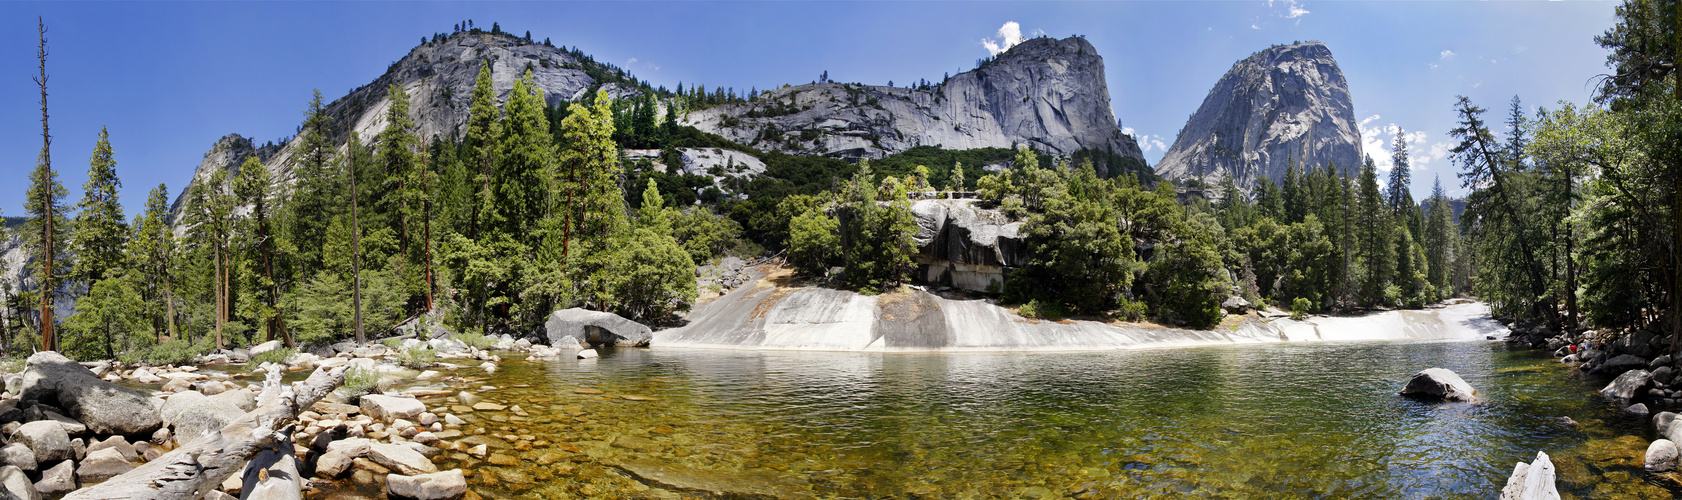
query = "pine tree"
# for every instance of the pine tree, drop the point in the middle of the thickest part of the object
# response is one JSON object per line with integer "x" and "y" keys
{"x": 594, "y": 208}
{"x": 355, "y": 156}
{"x": 151, "y": 251}
{"x": 1401, "y": 199}
{"x": 1374, "y": 228}
{"x": 402, "y": 195}
{"x": 45, "y": 206}
{"x": 958, "y": 177}
{"x": 99, "y": 230}
{"x": 483, "y": 130}
{"x": 1292, "y": 193}
{"x": 254, "y": 188}
{"x": 211, "y": 217}
{"x": 318, "y": 195}
{"x": 522, "y": 192}
{"x": 1439, "y": 238}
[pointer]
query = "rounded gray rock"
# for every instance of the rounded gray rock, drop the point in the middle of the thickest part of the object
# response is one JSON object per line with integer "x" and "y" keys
{"x": 1661, "y": 456}
{"x": 47, "y": 440}
{"x": 1439, "y": 384}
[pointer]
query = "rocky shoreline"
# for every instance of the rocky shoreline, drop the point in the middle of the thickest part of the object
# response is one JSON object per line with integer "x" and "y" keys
{"x": 70, "y": 427}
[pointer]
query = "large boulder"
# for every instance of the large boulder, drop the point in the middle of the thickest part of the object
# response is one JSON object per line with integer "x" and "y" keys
{"x": 389, "y": 408}
{"x": 1532, "y": 481}
{"x": 1626, "y": 386}
{"x": 1661, "y": 456}
{"x": 193, "y": 415}
{"x": 47, "y": 440}
{"x": 597, "y": 328}
{"x": 1439, "y": 384}
{"x": 106, "y": 408}
{"x": 447, "y": 485}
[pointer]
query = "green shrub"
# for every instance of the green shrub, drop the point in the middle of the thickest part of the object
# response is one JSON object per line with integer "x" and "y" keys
{"x": 360, "y": 382}
{"x": 394, "y": 344}
{"x": 1300, "y": 308}
{"x": 418, "y": 358}
{"x": 1132, "y": 310}
{"x": 476, "y": 340}
{"x": 174, "y": 352}
{"x": 1042, "y": 309}
{"x": 275, "y": 356}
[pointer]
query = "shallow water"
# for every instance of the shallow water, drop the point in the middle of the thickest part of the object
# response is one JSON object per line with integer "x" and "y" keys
{"x": 1290, "y": 420}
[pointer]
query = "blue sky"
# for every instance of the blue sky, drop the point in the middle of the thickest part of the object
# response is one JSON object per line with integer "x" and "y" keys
{"x": 168, "y": 79}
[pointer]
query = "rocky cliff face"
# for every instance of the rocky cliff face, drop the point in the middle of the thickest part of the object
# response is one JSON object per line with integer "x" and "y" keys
{"x": 439, "y": 78}
{"x": 1046, "y": 93}
{"x": 1287, "y": 102}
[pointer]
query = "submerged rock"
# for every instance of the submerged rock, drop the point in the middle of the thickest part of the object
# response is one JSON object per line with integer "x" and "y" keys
{"x": 596, "y": 328}
{"x": 1439, "y": 384}
{"x": 1532, "y": 481}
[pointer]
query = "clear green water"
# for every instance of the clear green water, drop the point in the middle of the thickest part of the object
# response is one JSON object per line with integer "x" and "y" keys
{"x": 1306, "y": 420}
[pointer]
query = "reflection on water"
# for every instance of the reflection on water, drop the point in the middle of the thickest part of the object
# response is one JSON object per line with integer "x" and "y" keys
{"x": 1318, "y": 420}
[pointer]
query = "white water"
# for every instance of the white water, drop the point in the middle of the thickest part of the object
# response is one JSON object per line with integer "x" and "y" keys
{"x": 762, "y": 317}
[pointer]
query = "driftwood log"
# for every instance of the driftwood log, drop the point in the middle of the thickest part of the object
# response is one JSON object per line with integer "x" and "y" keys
{"x": 193, "y": 470}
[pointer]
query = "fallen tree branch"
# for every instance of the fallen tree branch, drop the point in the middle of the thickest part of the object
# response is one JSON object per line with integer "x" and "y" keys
{"x": 193, "y": 470}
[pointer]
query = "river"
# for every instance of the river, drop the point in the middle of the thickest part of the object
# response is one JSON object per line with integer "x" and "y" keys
{"x": 1278, "y": 420}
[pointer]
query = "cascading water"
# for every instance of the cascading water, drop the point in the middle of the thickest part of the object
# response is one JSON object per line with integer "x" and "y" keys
{"x": 767, "y": 317}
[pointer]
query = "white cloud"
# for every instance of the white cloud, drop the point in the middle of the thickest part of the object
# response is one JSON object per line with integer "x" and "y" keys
{"x": 1376, "y": 140}
{"x": 1009, "y": 35}
{"x": 1254, "y": 27}
{"x": 1445, "y": 54}
{"x": 1147, "y": 142}
{"x": 1293, "y": 9}
{"x": 1435, "y": 66}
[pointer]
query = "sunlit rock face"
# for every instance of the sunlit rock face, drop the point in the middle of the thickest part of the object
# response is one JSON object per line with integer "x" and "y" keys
{"x": 439, "y": 78}
{"x": 1046, "y": 93}
{"x": 768, "y": 316}
{"x": 1289, "y": 102}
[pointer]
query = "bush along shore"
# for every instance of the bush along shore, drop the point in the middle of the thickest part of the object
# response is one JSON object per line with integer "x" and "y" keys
{"x": 227, "y": 425}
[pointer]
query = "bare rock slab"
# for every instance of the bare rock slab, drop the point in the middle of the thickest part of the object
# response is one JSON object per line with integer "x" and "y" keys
{"x": 447, "y": 485}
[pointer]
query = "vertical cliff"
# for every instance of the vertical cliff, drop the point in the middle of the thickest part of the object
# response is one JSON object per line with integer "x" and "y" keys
{"x": 1287, "y": 102}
